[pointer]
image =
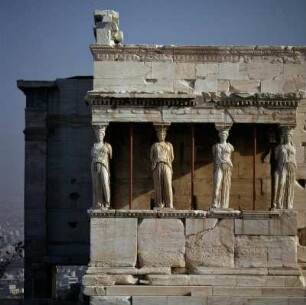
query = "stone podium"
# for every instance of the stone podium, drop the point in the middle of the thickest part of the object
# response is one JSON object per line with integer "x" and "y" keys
{"x": 202, "y": 257}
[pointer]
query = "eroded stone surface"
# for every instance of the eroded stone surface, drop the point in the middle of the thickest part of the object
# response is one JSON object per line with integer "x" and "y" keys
{"x": 161, "y": 242}
{"x": 110, "y": 300}
{"x": 211, "y": 247}
{"x": 265, "y": 251}
{"x": 113, "y": 242}
{"x": 165, "y": 300}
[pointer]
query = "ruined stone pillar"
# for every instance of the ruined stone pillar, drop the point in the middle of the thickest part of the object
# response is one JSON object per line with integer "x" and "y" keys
{"x": 38, "y": 273}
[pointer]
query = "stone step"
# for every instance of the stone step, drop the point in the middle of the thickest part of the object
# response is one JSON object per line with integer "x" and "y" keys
{"x": 226, "y": 280}
{"x": 196, "y": 291}
{"x": 183, "y": 300}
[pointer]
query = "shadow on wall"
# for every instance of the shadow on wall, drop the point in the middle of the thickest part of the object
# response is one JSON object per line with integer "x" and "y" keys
{"x": 180, "y": 135}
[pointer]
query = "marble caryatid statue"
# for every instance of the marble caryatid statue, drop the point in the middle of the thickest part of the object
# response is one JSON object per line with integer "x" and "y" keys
{"x": 101, "y": 153}
{"x": 222, "y": 170}
{"x": 161, "y": 156}
{"x": 285, "y": 171}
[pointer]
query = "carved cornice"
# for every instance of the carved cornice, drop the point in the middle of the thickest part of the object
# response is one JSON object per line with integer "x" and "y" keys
{"x": 197, "y": 53}
{"x": 265, "y": 100}
{"x": 211, "y": 213}
{"x": 147, "y": 213}
{"x": 140, "y": 99}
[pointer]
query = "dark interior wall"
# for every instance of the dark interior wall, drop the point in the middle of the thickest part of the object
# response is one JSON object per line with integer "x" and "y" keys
{"x": 241, "y": 137}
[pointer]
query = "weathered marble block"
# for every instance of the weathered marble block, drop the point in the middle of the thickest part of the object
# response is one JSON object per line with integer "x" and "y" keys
{"x": 167, "y": 300}
{"x": 110, "y": 300}
{"x": 266, "y": 251}
{"x": 113, "y": 242}
{"x": 161, "y": 242}
{"x": 286, "y": 225}
{"x": 210, "y": 242}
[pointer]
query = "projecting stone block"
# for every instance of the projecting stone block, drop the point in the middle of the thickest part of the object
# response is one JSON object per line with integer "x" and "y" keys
{"x": 110, "y": 300}
{"x": 113, "y": 242}
{"x": 108, "y": 279}
{"x": 265, "y": 251}
{"x": 169, "y": 280}
{"x": 212, "y": 246}
{"x": 249, "y": 86}
{"x": 161, "y": 242}
{"x": 94, "y": 290}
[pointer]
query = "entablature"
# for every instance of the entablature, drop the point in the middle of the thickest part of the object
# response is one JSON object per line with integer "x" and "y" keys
{"x": 184, "y": 108}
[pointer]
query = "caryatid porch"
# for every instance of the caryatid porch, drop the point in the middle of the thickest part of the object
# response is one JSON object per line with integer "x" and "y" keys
{"x": 254, "y": 122}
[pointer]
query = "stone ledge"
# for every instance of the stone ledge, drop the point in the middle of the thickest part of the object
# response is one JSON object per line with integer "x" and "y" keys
{"x": 199, "y": 54}
{"x": 211, "y": 213}
{"x": 134, "y": 290}
{"x": 226, "y": 280}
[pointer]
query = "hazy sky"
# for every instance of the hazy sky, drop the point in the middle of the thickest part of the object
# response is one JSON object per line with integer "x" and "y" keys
{"x": 48, "y": 39}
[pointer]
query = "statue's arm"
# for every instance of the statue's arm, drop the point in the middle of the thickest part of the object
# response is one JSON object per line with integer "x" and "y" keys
{"x": 214, "y": 150}
{"x": 110, "y": 151}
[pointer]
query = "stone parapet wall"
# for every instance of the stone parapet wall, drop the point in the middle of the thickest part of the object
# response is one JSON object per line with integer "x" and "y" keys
{"x": 197, "y": 69}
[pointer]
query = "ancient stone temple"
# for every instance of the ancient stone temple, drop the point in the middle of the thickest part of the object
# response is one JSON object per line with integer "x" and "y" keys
{"x": 191, "y": 163}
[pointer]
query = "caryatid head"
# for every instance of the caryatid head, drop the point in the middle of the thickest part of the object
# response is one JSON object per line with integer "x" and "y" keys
{"x": 161, "y": 132}
{"x": 223, "y": 135}
{"x": 100, "y": 133}
{"x": 287, "y": 135}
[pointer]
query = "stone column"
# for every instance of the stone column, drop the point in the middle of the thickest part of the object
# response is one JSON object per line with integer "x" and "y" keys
{"x": 285, "y": 173}
{"x": 222, "y": 168}
{"x": 161, "y": 155}
{"x": 101, "y": 154}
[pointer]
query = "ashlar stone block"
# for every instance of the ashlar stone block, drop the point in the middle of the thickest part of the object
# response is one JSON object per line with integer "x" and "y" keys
{"x": 266, "y": 251}
{"x": 113, "y": 242}
{"x": 167, "y": 300}
{"x": 110, "y": 300}
{"x": 210, "y": 245}
{"x": 161, "y": 242}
